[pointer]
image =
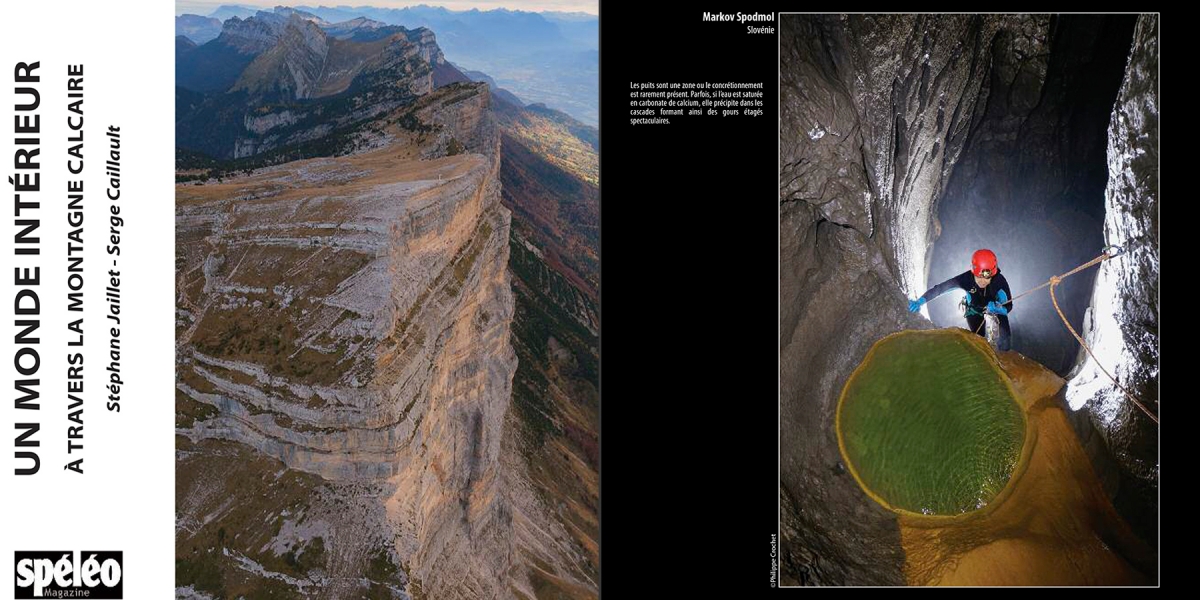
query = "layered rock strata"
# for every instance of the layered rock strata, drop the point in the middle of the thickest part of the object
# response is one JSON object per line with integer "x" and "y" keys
{"x": 350, "y": 317}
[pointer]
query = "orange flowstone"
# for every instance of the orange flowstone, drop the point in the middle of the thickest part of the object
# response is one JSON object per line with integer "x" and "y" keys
{"x": 1052, "y": 525}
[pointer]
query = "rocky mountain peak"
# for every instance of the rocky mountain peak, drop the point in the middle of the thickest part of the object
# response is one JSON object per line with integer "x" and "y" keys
{"x": 360, "y": 25}
{"x": 252, "y": 35}
{"x": 288, "y": 12}
{"x": 292, "y": 65}
{"x": 426, "y": 41}
{"x": 365, "y": 22}
{"x": 197, "y": 28}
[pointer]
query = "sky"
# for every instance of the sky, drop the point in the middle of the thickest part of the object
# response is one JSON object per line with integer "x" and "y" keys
{"x": 205, "y": 7}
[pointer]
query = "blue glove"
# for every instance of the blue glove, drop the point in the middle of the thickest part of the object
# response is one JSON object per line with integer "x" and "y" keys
{"x": 915, "y": 305}
{"x": 996, "y": 309}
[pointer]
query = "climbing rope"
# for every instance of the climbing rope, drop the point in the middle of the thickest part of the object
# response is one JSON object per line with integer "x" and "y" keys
{"x": 1099, "y": 259}
{"x": 1054, "y": 282}
{"x": 1057, "y": 279}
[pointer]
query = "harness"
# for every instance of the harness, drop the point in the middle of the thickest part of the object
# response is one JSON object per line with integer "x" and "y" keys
{"x": 966, "y": 309}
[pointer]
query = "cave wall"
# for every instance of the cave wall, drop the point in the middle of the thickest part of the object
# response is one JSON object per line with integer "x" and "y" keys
{"x": 875, "y": 111}
{"x": 875, "y": 116}
{"x": 1122, "y": 322}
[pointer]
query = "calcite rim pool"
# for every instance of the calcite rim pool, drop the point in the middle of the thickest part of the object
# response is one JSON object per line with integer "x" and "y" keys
{"x": 988, "y": 431}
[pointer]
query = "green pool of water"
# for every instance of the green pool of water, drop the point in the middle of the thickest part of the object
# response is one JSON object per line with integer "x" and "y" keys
{"x": 929, "y": 424}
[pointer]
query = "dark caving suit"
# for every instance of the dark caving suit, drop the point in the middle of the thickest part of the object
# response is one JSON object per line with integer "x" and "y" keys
{"x": 977, "y": 302}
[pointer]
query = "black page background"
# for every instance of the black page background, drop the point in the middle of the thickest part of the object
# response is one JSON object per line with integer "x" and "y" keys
{"x": 689, "y": 358}
{"x": 689, "y": 371}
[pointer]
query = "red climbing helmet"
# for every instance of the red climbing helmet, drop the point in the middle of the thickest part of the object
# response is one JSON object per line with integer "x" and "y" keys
{"x": 983, "y": 263}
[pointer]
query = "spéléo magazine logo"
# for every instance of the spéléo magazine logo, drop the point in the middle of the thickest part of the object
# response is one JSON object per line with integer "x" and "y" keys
{"x": 69, "y": 574}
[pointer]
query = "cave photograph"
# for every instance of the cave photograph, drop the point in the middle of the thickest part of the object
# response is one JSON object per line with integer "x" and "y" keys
{"x": 969, "y": 300}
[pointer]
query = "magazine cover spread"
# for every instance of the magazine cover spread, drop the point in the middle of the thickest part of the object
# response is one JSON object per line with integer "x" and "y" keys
{"x": 305, "y": 301}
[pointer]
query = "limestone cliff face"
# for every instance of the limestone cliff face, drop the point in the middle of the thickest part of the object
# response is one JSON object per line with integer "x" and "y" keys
{"x": 426, "y": 41}
{"x": 351, "y": 317}
{"x": 458, "y": 121}
{"x": 408, "y": 293}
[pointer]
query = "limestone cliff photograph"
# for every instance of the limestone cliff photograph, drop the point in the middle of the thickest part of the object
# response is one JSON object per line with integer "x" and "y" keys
{"x": 387, "y": 301}
{"x": 968, "y": 300}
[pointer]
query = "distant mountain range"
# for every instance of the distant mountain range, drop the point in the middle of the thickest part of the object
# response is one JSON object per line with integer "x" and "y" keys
{"x": 549, "y": 57}
{"x": 233, "y": 10}
{"x": 197, "y": 29}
